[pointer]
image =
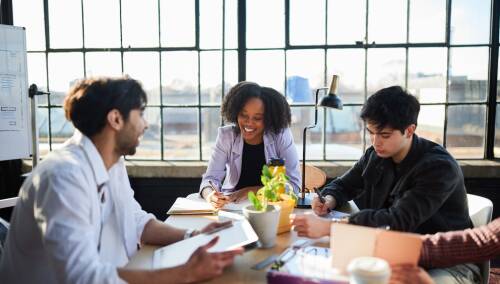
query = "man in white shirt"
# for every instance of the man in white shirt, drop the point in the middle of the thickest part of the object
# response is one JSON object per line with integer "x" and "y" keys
{"x": 76, "y": 220}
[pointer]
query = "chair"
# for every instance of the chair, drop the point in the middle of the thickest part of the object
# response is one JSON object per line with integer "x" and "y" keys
{"x": 4, "y": 225}
{"x": 480, "y": 211}
{"x": 315, "y": 177}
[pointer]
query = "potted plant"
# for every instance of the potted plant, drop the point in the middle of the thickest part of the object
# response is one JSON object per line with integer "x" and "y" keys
{"x": 276, "y": 191}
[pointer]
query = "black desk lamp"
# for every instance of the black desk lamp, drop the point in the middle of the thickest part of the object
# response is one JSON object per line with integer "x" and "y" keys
{"x": 330, "y": 101}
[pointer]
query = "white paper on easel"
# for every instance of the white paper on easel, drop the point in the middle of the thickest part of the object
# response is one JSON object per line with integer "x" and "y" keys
{"x": 238, "y": 235}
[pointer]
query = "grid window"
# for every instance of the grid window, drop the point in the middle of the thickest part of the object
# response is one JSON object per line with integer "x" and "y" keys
{"x": 189, "y": 53}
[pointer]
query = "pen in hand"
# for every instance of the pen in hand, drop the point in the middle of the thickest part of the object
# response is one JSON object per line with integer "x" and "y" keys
{"x": 321, "y": 198}
{"x": 212, "y": 185}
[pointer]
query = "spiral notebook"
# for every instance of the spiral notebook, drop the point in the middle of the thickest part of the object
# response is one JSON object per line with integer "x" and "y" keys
{"x": 186, "y": 206}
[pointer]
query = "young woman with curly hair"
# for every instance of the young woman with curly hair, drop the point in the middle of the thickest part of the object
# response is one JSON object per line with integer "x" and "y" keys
{"x": 259, "y": 119}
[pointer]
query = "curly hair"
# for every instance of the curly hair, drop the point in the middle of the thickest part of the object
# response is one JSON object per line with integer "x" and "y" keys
{"x": 391, "y": 107}
{"x": 277, "y": 114}
{"x": 90, "y": 100}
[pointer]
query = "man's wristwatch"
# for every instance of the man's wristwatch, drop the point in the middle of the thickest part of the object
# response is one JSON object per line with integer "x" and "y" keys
{"x": 203, "y": 189}
{"x": 189, "y": 233}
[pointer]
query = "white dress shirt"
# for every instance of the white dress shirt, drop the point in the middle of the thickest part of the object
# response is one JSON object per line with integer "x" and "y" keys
{"x": 63, "y": 230}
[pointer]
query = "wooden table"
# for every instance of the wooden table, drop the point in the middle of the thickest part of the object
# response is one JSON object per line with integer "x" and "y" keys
{"x": 240, "y": 271}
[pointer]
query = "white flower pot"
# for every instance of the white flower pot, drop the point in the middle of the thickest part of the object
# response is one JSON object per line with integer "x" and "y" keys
{"x": 264, "y": 223}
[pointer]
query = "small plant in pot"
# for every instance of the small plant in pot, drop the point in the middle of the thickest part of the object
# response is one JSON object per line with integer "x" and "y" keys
{"x": 276, "y": 191}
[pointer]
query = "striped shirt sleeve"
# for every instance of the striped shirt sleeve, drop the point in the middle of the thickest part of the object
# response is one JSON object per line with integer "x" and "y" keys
{"x": 470, "y": 245}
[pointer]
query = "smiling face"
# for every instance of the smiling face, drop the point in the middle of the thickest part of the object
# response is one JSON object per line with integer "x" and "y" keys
{"x": 251, "y": 121}
{"x": 389, "y": 142}
{"x": 129, "y": 136}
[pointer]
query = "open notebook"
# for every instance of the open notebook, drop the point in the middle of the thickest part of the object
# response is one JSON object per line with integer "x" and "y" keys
{"x": 187, "y": 206}
{"x": 240, "y": 234}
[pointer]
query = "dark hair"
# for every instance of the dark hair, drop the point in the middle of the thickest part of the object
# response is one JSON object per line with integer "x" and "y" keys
{"x": 277, "y": 114}
{"x": 391, "y": 107}
{"x": 90, "y": 100}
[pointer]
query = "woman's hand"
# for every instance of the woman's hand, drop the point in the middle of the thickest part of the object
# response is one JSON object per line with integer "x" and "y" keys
{"x": 216, "y": 198}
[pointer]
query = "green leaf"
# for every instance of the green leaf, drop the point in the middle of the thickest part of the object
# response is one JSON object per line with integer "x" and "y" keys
{"x": 255, "y": 201}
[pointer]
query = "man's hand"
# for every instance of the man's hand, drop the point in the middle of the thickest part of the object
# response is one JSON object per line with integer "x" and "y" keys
{"x": 311, "y": 226}
{"x": 217, "y": 199}
{"x": 323, "y": 208}
{"x": 203, "y": 265}
{"x": 407, "y": 273}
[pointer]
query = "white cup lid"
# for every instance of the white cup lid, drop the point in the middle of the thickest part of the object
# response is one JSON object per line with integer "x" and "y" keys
{"x": 369, "y": 266}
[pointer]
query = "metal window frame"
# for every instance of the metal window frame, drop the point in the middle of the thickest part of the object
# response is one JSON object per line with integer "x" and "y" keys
{"x": 6, "y": 17}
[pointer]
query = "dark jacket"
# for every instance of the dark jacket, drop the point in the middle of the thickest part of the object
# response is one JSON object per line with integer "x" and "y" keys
{"x": 428, "y": 197}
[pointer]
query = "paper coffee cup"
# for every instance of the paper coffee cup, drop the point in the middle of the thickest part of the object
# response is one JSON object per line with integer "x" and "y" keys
{"x": 368, "y": 270}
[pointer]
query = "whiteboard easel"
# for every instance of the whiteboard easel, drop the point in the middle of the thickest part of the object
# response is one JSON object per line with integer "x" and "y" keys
{"x": 15, "y": 115}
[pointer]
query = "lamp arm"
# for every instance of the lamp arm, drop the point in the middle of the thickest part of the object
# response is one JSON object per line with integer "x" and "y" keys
{"x": 303, "y": 189}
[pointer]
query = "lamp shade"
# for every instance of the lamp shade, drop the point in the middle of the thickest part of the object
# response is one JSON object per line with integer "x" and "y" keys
{"x": 331, "y": 101}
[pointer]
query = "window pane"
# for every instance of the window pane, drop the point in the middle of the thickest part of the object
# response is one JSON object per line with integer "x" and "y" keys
{"x": 231, "y": 24}
{"x": 102, "y": 23}
{"x": 64, "y": 70}
{"x": 267, "y": 68}
{"x": 386, "y": 67}
{"x": 177, "y": 23}
{"x": 61, "y": 129}
{"x": 140, "y": 23}
{"x": 497, "y": 133}
{"x": 301, "y": 117}
{"x": 465, "y": 131}
{"x": 230, "y": 70}
{"x": 387, "y": 21}
{"x": 470, "y": 21}
{"x": 150, "y": 145}
{"x": 427, "y": 74}
{"x": 42, "y": 123}
{"x": 210, "y": 122}
{"x": 145, "y": 67}
{"x": 431, "y": 123}
{"x": 179, "y": 77}
{"x": 307, "y": 22}
{"x": 349, "y": 65}
{"x": 265, "y": 23}
{"x": 342, "y": 14}
{"x": 308, "y": 65}
{"x": 32, "y": 19}
{"x": 344, "y": 130}
{"x": 468, "y": 74}
{"x": 37, "y": 74}
{"x": 103, "y": 64}
{"x": 211, "y": 76}
{"x": 425, "y": 26}
{"x": 65, "y": 23}
{"x": 180, "y": 139}
{"x": 211, "y": 24}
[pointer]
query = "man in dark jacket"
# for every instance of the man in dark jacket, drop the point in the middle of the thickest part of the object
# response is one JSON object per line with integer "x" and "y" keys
{"x": 402, "y": 181}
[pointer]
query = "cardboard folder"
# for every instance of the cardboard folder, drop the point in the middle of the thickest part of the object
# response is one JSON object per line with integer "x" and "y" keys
{"x": 350, "y": 241}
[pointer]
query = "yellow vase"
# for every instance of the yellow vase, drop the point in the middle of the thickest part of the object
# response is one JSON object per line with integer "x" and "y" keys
{"x": 286, "y": 209}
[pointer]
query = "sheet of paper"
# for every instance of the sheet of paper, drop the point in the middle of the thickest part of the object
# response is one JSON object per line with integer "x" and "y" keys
{"x": 238, "y": 235}
{"x": 350, "y": 241}
{"x": 335, "y": 214}
{"x": 398, "y": 248}
{"x": 237, "y": 207}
